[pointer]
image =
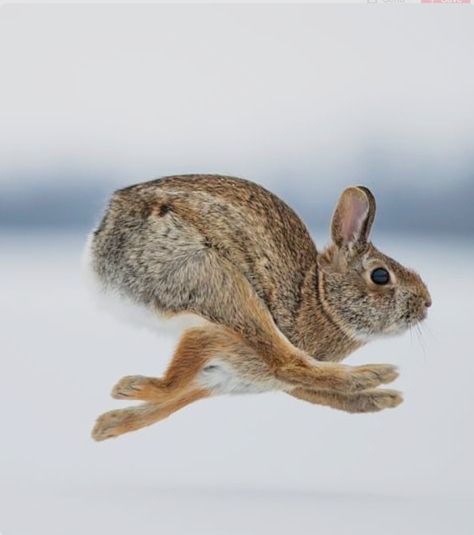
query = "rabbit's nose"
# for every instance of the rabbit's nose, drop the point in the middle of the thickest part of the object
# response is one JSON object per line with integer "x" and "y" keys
{"x": 428, "y": 302}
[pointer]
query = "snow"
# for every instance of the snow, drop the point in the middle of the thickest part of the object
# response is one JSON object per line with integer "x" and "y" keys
{"x": 233, "y": 465}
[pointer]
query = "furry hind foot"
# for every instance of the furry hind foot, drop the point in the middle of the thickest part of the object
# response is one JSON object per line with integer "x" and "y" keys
{"x": 117, "y": 422}
{"x": 114, "y": 423}
{"x": 139, "y": 387}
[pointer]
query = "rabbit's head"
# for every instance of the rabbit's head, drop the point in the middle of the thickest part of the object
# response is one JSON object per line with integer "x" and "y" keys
{"x": 368, "y": 293}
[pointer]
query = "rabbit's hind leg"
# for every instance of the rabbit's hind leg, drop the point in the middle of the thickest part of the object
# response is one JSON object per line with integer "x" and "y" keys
{"x": 141, "y": 387}
{"x": 117, "y": 422}
{"x": 212, "y": 358}
{"x": 208, "y": 361}
{"x": 189, "y": 358}
{"x": 166, "y": 395}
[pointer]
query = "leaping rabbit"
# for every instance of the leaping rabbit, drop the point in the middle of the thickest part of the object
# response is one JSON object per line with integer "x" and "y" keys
{"x": 275, "y": 314}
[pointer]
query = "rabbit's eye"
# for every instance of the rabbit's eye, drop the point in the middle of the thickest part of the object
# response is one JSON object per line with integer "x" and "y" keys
{"x": 380, "y": 276}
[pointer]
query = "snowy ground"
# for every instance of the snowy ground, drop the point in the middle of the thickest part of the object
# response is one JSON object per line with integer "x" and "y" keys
{"x": 236, "y": 465}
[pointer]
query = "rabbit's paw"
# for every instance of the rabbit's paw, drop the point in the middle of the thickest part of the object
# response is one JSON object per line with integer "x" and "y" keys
{"x": 375, "y": 401}
{"x": 114, "y": 423}
{"x": 136, "y": 387}
{"x": 371, "y": 376}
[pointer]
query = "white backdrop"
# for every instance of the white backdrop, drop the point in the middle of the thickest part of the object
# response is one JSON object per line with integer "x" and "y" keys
{"x": 304, "y": 99}
{"x": 225, "y": 464}
{"x": 252, "y": 90}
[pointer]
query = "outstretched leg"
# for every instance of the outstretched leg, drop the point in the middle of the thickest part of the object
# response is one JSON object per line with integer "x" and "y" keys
{"x": 174, "y": 391}
{"x": 367, "y": 401}
{"x": 117, "y": 422}
{"x": 216, "y": 358}
{"x": 210, "y": 357}
{"x": 208, "y": 361}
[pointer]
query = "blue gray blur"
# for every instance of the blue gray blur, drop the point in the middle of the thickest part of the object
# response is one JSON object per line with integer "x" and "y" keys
{"x": 303, "y": 99}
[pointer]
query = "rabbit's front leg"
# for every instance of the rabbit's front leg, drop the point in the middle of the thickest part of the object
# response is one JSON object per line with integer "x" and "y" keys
{"x": 303, "y": 372}
{"x": 367, "y": 401}
{"x": 237, "y": 307}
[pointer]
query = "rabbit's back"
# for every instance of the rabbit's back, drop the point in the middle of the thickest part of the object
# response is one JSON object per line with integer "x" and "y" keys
{"x": 252, "y": 228}
{"x": 243, "y": 222}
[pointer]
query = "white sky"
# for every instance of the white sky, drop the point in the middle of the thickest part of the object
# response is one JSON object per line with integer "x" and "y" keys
{"x": 244, "y": 89}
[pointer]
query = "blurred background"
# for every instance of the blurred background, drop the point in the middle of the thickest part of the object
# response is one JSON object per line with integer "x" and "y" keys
{"x": 304, "y": 99}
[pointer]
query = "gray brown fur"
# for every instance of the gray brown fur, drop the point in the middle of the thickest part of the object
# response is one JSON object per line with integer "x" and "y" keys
{"x": 233, "y": 253}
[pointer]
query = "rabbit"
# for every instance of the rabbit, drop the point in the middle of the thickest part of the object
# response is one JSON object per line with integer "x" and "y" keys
{"x": 273, "y": 313}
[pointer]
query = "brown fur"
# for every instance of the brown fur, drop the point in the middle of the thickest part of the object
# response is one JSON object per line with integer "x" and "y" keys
{"x": 233, "y": 253}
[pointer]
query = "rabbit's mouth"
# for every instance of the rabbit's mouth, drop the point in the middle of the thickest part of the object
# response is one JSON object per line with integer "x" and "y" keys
{"x": 404, "y": 323}
{"x": 416, "y": 310}
{"x": 411, "y": 319}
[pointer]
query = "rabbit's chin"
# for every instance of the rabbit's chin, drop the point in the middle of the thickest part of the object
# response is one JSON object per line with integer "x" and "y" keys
{"x": 396, "y": 329}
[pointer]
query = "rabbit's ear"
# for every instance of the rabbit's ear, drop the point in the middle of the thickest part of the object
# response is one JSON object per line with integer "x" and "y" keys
{"x": 353, "y": 217}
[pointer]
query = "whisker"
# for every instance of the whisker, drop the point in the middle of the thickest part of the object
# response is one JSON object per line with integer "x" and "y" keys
{"x": 420, "y": 338}
{"x": 427, "y": 329}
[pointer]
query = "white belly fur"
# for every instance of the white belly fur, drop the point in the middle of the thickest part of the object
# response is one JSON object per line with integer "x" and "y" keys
{"x": 221, "y": 377}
